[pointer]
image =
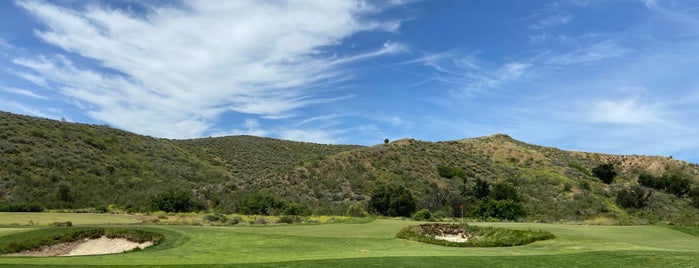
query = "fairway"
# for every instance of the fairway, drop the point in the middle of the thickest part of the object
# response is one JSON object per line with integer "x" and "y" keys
{"x": 373, "y": 245}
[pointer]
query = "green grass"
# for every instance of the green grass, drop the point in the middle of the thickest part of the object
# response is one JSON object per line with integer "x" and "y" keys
{"x": 374, "y": 244}
{"x": 14, "y": 219}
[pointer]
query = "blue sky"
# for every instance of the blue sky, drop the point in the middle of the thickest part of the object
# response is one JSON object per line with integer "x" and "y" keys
{"x": 605, "y": 76}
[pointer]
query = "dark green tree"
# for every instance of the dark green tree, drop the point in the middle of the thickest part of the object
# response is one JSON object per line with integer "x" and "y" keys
{"x": 504, "y": 191}
{"x": 172, "y": 201}
{"x": 634, "y": 197}
{"x": 694, "y": 197}
{"x": 604, "y": 172}
{"x": 392, "y": 200}
{"x": 482, "y": 189}
{"x": 261, "y": 204}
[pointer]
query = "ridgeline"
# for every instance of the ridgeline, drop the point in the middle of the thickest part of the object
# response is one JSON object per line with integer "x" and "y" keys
{"x": 60, "y": 165}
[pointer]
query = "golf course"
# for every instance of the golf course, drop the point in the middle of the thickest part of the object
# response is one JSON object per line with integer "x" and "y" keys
{"x": 371, "y": 244}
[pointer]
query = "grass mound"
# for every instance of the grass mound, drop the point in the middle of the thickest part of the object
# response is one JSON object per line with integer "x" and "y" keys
{"x": 457, "y": 235}
{"x": 47, "y": 237}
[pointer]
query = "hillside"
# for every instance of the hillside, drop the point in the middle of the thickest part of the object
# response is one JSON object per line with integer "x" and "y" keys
{"x": 66, "y": 165}
{"x": 553, "y": 184}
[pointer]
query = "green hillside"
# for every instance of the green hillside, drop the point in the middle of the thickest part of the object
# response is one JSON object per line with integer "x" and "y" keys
{"x": 66, "y": 165}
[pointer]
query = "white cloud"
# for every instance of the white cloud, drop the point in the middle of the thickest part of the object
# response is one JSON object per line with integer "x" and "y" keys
{"x": 20, "y": 108}
{"x": 252, "y": 127}
{"x": 552, "y": 21}
{"x": 603, "y": 50}
{"x": 627, "y": 111}
{"x": 24, "y": 92}
{"x": 176, "y": 69}
{"x": 312, "y": 135}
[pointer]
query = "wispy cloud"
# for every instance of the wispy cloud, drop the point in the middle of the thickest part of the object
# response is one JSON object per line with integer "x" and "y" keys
{"x": 467, "y": 73}
{"x": 183, "y": 66}
{"x": 24, "y": 92}
{"x": 552, "y": 21}
{"x": 24, "y": 109}
{"x": 603, "y": 50}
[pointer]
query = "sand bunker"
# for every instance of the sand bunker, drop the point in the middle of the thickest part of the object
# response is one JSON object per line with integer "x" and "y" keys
{"x": 102, "y": 245}
{"x": 458, "y": 238}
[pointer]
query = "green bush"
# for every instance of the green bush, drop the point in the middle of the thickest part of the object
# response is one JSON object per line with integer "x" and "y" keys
{"x": 260, "y": 204}
{"x": 217, "y": 217}
{"x": 61, "y": 224}
{"x": 674, "y": 184}
{"x": 451, "y": 172}
{"x": 633, "y": 197}
{"x": 24, "y": 207}
{"x": 393, "y": 200}
{"x": 357, "y": 210}
{"x": 289, "y": 219}
{"x": 499, "y": 209}
{"x": 422, "y": 215}
{"x": 172, "y": 201}
{"x": 604, "y": 172}
{"x": 694, "y": 197}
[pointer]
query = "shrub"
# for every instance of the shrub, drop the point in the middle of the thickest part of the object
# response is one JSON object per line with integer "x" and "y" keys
{"x": 604, "y": 172}
{"x": 422, "y": 215}
{"x": 451, "y": 172}
{"x": 260, "y": 204}
{"x": 295, "y": 209}
{"x": 394, "y": 200}
{"x": 504, "y": 191}
{"x": 172, "y": 201}
{"x": 61, "y": 224}
{"x": 25, "y": 207}
{"x": 499, "y": 209}
{"x": 694, "y": 197}
{"x": 482, "y": 189}
{"x": 356, "y": 210}
{"x": 634, "y": 197}
{"x": 217, "y": 217}
{"x": 674, "y": 184}
{"x": 289, "y": 219}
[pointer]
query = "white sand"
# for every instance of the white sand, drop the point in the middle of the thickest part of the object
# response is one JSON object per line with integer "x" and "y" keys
{"x": 458, "y": 238}
{"x": 102, "y": 245}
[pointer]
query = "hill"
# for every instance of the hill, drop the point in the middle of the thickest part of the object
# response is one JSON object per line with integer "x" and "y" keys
{"x": 66, "y": 165}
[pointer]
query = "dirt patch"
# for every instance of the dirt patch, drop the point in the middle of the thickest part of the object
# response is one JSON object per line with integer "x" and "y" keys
{"x": 102, "y": 245}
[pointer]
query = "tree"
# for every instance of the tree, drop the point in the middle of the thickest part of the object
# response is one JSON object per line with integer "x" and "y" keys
{"x": 172, "y": 201}
{"x": 504, "y": 191}
{"x": 604, "y": 172}
{"x": 482, "y": 189}
{"x": 634, "y": 197}
{"x": 500, "y": 209}
{"x": 694, "y": 196}
{"x": 393, "y": 200}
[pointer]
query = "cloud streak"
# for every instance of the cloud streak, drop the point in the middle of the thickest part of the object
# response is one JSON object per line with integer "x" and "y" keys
{"x": 183, "y": 66}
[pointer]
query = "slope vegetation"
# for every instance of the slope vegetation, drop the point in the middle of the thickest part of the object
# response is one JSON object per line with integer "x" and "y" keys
{"x": 66, "y": 165}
